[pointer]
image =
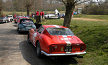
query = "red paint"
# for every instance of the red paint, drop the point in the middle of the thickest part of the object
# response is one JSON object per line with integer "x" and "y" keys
{"x": 19, "y": 18}
{"x": 55, "y": 43}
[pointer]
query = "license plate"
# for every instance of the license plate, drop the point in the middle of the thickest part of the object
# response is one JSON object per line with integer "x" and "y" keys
{"x": 68, "y": 49}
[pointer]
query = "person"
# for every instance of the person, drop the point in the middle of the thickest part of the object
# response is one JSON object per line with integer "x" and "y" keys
{"x": 14, "y": 15}
{"x": 37, "y": 17}
{"x": 37, "y": 13}
{"x": 56, "y": 11}
{"x": 72, "y": 14}
{"x": 58, "y": 14}
{"x": 42, "y": 14}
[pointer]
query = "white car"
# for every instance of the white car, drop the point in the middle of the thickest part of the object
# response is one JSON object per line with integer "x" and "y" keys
{"x": 51, "y": 16}
{"x": 3, "y": 20}
{"x": 10, "y": 17}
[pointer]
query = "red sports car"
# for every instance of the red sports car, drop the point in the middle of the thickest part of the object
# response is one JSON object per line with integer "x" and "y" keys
{"x": 55, "y": 40}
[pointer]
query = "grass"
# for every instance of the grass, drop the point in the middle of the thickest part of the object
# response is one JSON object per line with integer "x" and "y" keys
{"x": 17, "y": 13}
{"x": 103, "y": 17}
{"x": 94, "y": 34}
{"x": 24, "y": 13}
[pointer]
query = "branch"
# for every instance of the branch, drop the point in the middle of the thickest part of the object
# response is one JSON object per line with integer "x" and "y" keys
{"x": 63, "y": 2}
{"x": 83, "y": 2}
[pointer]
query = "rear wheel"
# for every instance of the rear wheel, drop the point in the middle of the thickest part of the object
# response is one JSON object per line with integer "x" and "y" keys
{"x": 38, "y": 50}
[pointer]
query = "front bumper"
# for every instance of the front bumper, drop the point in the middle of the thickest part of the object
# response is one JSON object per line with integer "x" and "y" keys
{"x": 66, "y": 54}
{"x": 25, "y": 29}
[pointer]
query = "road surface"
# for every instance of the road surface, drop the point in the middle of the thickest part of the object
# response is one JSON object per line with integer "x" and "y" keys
{"x": 14, "y": 50}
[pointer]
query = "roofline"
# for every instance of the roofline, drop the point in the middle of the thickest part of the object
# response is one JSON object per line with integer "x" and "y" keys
{"x": 52, "y": 26}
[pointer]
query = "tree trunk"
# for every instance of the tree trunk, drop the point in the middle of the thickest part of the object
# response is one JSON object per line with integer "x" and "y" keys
{"x": 68, "y": 14}
{"x": 0, "y": 12}
{"x": 27, "y": 11}
{"x": 0, "y": 7}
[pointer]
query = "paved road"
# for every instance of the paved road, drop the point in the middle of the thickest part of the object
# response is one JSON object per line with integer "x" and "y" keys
{"x": 14, "y": 50}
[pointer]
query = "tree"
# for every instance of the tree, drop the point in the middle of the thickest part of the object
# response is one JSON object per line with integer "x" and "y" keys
{"x": 96, "y": 8}
{"x": 0, "y": 7}
{"x": 70, "y": 5}
{"x": 28, "y": 5}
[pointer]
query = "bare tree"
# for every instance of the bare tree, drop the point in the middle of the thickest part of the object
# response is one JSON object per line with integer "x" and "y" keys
{"x": 0, "y": 7}
{"x": 70, "y": 5}
{"x": 28, "y": 5}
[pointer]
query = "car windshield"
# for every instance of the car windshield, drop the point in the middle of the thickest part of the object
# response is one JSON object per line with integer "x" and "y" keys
{"x": 59, "y": 31}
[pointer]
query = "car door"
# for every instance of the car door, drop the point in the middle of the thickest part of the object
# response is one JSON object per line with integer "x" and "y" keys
{"x": 35, "y": 35}
{"x": 38, "y": 33}
{"x": 31, "y": 34}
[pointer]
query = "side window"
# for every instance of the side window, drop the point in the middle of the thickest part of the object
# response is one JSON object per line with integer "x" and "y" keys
{"x": 41, "y": 29}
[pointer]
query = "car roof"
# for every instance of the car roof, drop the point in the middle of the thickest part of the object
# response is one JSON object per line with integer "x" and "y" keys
{"x": 25, "y": 19}
{"x": 53, "y": 26}
{"x": 10, "y": 15}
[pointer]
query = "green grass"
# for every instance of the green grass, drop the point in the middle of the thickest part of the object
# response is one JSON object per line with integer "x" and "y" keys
{"x": 94, "y": 34}
{"x": 24, "y": 13}
{"x": 17, "y": 13}
{"x": 103, "y": 17}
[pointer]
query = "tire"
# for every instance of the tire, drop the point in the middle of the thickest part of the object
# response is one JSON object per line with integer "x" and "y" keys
{"x": 38, "y": 50}
{"x": 18, "y": 30}
{"x": 28, "y": 39}
{"x": 6, "y": 21}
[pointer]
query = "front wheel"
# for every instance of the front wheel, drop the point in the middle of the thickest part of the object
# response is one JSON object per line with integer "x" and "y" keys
{"x": 38, "y": 50}
{"x": 18, "y": 30}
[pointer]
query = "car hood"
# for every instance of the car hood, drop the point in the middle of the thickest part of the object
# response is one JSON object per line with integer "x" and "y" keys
{"x": 66, "y": 39}
{"x": 27, "y": 24}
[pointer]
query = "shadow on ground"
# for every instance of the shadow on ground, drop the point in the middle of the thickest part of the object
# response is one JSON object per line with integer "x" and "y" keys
{"x": 28, "y": 52}
{"x": 15, "y": 25}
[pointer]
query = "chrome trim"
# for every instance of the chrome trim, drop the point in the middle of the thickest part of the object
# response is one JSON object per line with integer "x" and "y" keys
{"x": 64, "y": 54}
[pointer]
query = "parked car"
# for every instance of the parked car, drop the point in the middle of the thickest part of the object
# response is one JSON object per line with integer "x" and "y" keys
{"x": 19, "y": 18}
{"x": 62, "y": 15}
{"x": 51, "y": 16}
{"x": 25, "y": 25}
{"x": 10, "y": 18}
{"x": 3, "y": 20}
{"x": 55, "y": 40}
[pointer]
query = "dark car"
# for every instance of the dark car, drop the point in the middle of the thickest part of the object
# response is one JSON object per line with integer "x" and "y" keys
{"x": 25, "y": 25}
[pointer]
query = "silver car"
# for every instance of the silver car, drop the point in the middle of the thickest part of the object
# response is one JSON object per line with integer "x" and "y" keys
{"x": 51, "y": 16}
{"x": 3, "y": 20}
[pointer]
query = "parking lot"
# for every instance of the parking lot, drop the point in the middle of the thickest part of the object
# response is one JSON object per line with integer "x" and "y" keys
{"x": 14, "y": 49}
